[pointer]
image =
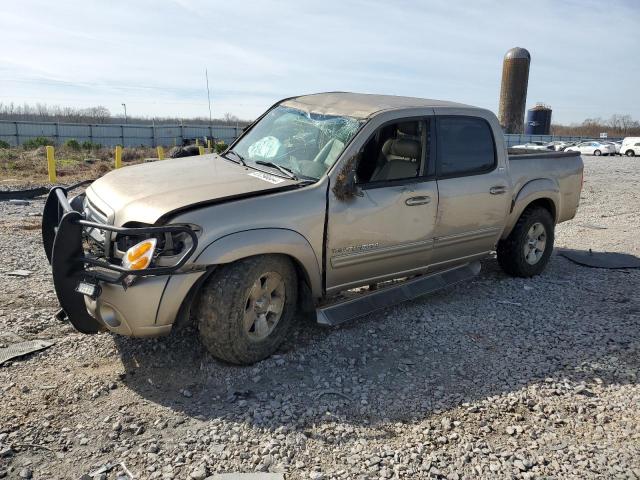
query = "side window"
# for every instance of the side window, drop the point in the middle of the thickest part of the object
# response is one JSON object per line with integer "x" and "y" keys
{"x": 465, "y": 146}
{"x": 394, "y": 152}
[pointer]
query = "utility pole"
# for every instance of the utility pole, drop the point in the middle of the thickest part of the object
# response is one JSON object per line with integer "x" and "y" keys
{"x": 206, "y": 74}
{"x": 125, "y": 112}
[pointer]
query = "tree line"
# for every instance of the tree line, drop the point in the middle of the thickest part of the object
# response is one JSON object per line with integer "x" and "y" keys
{"x": 41, "y": 112}
{"x": 616, "y": 126}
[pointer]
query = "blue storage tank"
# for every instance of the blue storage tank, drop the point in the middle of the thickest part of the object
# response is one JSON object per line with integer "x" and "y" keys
{"x": 538, "y": 120}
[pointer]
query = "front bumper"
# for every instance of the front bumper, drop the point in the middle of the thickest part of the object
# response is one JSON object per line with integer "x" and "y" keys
{"x": 122, "y": 311}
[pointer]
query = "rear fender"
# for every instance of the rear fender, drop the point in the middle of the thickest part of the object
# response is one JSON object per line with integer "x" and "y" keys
{"x": 541, "y": 188}
{"x": 264, "y": 241}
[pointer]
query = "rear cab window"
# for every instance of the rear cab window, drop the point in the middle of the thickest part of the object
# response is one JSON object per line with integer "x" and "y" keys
{"x": 465, "y": 146}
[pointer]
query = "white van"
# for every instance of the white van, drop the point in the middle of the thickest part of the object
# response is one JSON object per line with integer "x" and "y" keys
{"x": 630, "y": 146}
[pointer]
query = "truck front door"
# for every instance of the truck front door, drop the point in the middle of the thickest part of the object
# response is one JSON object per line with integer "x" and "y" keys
{"x": 386, "y": 230}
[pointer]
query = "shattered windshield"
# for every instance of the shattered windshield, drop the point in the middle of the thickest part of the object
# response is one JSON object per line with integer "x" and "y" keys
{"x": 305, "y": 143}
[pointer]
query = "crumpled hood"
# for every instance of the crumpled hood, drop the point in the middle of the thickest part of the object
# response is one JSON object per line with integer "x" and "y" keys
{"x": 148, "y": 191}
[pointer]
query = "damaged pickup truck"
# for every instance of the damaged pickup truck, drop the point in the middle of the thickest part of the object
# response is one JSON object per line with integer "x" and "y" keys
{"x": 339, "y": 202}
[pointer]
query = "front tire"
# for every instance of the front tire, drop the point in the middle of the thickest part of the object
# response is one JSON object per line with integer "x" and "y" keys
{"x": 597, "y": 153}
{"x": 527, "y": 249}
{"x": 630, "y": 153}
{"x": 246, "y": 309}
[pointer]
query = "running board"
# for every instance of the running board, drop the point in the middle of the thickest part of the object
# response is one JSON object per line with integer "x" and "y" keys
{"x": 345, "y": 310}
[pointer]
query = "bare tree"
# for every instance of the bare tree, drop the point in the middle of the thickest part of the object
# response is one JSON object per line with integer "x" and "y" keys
{"x": 41, "y": 112}
{"x": 616, "y": 126}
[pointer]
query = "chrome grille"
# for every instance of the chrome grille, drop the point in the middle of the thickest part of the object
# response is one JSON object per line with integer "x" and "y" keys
{"x": 94, "y": 214}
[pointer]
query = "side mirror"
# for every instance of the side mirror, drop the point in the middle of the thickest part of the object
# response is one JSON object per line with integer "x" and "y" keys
{"x": 346, "y": 186}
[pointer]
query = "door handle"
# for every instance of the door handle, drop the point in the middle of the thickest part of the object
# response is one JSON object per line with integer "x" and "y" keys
{"x": 417, "y": 201}
{"x": 498, "y": 190}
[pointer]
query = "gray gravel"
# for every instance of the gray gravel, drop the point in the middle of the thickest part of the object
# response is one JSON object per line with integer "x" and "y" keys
{"x": 498, "y": 377}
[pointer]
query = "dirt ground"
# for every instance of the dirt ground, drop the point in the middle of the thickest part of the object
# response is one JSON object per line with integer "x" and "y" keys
{"x": 20, "y": 167}
{"x": 494, "y": 378}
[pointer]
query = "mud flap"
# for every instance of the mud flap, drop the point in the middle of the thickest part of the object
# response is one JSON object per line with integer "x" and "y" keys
{"x": 67, "y": 271}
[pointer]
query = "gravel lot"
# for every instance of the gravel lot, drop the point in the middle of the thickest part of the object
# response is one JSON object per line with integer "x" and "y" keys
{"x": 497, "y": 377}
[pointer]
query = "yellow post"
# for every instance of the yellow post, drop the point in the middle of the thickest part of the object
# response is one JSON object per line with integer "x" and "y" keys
{"x": 209, "y": 145}
{"x": 160, "y": 153}
{"x": 201, "y": 149}
{"x": 197, "y": 142}
{"x": 51, "y": 164}
{"x": 118, "y": 156}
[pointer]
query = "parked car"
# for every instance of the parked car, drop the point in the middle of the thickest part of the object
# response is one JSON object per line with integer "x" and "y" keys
{"x": 560, "y": 145}
{"x": 535, "y": 146}
{"x": 396, "y": 188}
{"x": 630, "y": 146}
{"x": 618, "y": 145}
{"x": 593, "y": 148}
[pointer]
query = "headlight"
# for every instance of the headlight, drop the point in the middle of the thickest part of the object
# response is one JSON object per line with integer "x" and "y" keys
{"x": 140, "y": 255}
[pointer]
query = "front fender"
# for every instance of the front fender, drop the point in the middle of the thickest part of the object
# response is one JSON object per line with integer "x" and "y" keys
{"x": 541, "y": 188}
{"x": 263, "y": 241}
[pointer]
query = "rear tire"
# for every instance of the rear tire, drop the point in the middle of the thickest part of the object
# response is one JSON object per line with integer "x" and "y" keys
{"x": 597, "y": 153}
{"x": 246, "y": 309}
{"x": 527, "y": 249}
{"x": 630, "y": 153}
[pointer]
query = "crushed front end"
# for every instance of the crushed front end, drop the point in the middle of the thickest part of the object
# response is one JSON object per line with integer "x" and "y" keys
{"x": 107, "y": 276}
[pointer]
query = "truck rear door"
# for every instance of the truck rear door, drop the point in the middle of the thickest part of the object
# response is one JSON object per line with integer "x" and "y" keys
{"x": 473, "y": 186}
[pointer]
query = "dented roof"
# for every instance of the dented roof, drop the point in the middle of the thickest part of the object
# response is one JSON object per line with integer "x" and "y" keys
{"x": 361, "y": 105}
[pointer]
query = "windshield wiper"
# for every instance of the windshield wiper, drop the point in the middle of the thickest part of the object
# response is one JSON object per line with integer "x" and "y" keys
{"x": 286, "y": 171}
{"x": 238, "y": 156}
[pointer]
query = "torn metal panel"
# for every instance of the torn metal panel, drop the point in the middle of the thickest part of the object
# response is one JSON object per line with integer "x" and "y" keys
{"x": 23, "y": 348}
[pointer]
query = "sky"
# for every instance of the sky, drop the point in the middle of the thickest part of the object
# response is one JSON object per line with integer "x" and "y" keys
{"x": 152, "y": 54}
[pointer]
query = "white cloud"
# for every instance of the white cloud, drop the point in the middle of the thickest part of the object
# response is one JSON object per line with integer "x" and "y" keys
{"x": 152, "y": 54}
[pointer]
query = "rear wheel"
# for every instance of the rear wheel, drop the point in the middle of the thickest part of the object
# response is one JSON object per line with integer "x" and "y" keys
{"x": 630, "y": 153}
{"x": 597, "y": 153}
{"x": 247, "y": 308}
{"x": 527, "y": 249}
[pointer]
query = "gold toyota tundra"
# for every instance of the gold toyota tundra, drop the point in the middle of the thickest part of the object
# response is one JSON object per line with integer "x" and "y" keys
{"x": 322, "y": 194}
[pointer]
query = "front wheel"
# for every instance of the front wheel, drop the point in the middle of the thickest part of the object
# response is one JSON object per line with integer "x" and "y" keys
{"x": 527, "y": 249}
{"x": 597, "y": 153}
{"x": 246, "y": 309}
{"x": 630, "y": 153}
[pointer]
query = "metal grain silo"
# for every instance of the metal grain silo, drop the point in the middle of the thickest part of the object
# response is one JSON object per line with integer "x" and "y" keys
{"x": 513, "y": 91}
{"x": 538, "y": 120}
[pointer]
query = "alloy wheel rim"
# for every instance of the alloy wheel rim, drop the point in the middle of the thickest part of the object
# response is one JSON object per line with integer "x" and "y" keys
{"x": 535, "y": 243}
{"x": 264, "y": 306}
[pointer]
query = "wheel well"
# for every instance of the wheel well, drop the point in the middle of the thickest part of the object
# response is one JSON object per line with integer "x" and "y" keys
{"x": 304, "y": 290}
{"x": 545, "y": 203}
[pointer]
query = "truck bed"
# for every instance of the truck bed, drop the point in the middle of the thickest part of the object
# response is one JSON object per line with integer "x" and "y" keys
{"x": 562, "y": 169}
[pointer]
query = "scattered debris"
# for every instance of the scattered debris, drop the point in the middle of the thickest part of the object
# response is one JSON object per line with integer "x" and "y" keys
{"x": 23, "y": 348}
{"x": 106, "y": 468}
{"x": 610, "y": 260}
{"x": 246, "y": 476}
{"x": 593, "y": 226}
{"x": 19, "y": 202}
{"x": 507, "y": 302}
{"x": 20, "y": 273}
{"x": 31, "y": 445}
{"x": 23, "y": 194}
{"x": 333, "y": 392}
